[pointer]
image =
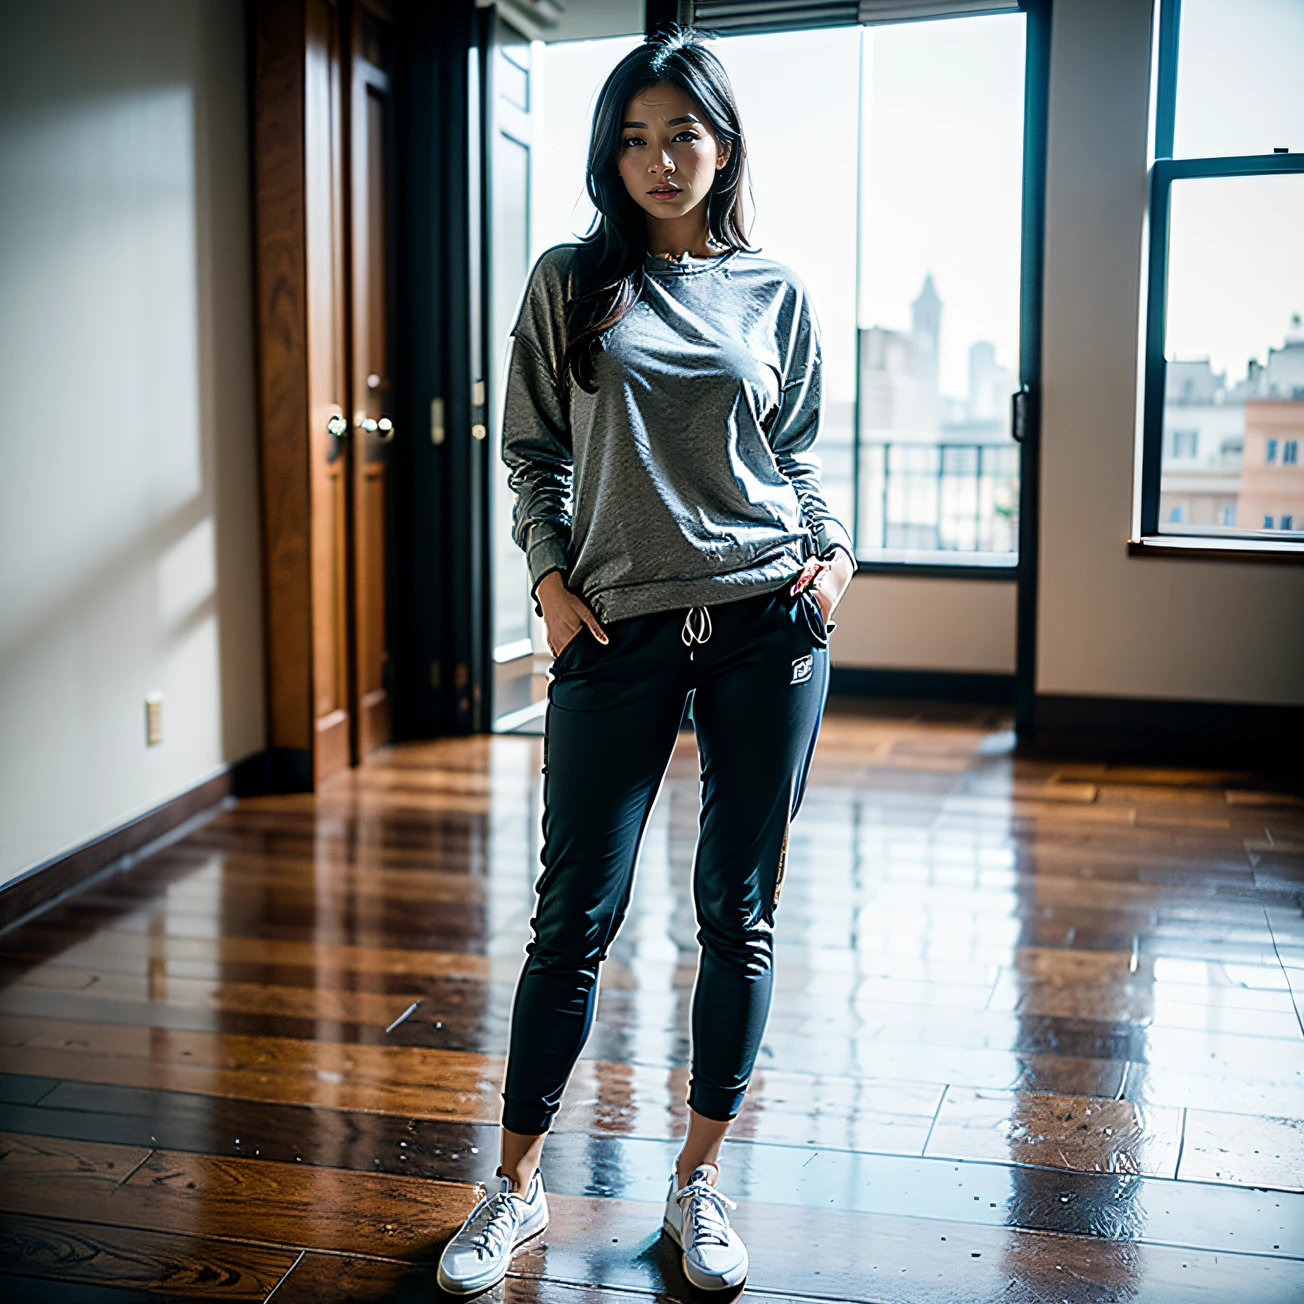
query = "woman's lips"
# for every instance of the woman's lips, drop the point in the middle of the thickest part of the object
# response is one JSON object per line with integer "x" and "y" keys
{"x": 665, "y": 192}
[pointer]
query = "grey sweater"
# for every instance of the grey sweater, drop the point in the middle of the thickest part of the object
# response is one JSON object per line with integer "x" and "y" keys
{"x": 687, "y": 479}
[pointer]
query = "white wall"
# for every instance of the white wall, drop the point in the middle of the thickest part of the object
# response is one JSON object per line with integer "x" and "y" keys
{"x": 128, "y": 504}
{"x": 1110, "y": 624}
{"x": 890, "y": 622}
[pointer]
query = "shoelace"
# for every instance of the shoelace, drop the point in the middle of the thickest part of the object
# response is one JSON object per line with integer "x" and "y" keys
{"x": 697, "y": 626}
{"x": 707, "y": 1212}
{"x": 499, "y": 1226}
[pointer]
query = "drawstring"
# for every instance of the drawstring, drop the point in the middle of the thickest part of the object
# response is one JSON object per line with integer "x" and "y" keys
{"x": 697, "y": 628}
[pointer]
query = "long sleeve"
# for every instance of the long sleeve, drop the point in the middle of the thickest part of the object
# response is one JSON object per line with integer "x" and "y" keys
{"x": 795, "y": 426}
{"x": 536, "y": 434}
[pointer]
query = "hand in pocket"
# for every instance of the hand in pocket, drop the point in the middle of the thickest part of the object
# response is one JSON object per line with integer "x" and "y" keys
{"x": 565, "y": 614}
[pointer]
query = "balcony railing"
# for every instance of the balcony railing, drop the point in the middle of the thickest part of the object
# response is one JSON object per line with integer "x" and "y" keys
{"x": 958, "y": 501}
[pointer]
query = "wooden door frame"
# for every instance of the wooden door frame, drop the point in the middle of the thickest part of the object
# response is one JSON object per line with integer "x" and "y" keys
{"x": 301, "y": 98}
{"x": 278, "y": 76}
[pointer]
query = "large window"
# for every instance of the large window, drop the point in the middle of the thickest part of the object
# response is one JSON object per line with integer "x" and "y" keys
{"x": 889, "y": 175}
{"x": 1224, "y": 374}
{"x": 937, "y": 314}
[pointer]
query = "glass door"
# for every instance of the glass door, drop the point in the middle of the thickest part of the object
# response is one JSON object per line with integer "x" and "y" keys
{"x": 937, "y": 312}
{"x": 542, "y": 96}
{"x": 512, "y": 99}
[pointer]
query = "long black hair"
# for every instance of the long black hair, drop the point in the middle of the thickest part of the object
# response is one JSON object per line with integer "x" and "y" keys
{"x": 609, "y": 260}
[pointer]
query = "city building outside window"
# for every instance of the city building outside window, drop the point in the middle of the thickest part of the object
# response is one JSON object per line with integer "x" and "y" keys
{"x": 1223, "y": 408}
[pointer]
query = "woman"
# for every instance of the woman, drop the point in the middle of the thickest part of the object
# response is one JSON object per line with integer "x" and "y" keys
{"x": 662, "y": 398}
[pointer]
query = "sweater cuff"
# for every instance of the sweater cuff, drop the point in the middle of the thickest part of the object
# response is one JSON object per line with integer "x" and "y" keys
{"x": 546, "y": 556}
{"x": 831, "y": 534}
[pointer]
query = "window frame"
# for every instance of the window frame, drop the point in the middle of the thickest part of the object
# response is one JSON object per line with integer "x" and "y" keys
{"x": 1164, "y": 170}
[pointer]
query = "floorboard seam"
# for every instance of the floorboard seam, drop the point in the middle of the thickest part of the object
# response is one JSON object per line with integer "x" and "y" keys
{"x": 225, "y": 1239}
{"x": 751, "y": 1290}
{"x": 267, "y": 1298}
{"x": 37, "y": 1102}
{"x": 1122, "y": 1082}
{"x": 923, "y": 1150}
{"x": 138, "y": 1167}
{"x": 1164, "y": 1244}
{"x": 1276, "y": 950}
{"x": 1181, "y": 1148}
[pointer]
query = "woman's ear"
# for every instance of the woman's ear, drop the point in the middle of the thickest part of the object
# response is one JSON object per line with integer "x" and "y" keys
{"x": 723, "y": 153}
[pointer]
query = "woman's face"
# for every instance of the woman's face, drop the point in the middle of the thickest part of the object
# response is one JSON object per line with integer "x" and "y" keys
{"x": 668, "y": 156}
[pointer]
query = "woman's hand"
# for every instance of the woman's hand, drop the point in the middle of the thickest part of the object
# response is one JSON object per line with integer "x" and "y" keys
{"x": 564, "y": 614}
{"x": 831, "y": 585}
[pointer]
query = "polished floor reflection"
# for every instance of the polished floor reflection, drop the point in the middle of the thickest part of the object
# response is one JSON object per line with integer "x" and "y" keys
{"x": 1036, "y": 1037}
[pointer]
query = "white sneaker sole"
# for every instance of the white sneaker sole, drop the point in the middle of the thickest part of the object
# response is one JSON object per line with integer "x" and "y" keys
{"x": 478, "y": 1285}
{"x": 715, "y": 1281}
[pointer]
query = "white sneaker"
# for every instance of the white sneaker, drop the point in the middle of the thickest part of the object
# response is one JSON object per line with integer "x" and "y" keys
{"x": 715, "y": 1257}
{"x": 480, "y": 1253}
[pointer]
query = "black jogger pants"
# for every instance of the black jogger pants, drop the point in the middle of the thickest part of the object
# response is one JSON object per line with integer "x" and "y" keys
{"x": 759, "y": 683}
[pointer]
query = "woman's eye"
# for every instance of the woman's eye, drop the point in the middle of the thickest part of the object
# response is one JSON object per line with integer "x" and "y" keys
{"x": 634, "y": 141}
{"x": 687, "y": 135}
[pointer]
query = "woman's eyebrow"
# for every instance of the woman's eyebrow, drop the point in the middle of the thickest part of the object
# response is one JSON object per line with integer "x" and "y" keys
{"x": 674, "y": 122}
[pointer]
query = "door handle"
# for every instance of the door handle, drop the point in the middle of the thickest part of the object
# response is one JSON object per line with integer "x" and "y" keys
{"x": 337, "y": 427}
{"x": 1019, "y": 413}
{"x": 382, "y": 429}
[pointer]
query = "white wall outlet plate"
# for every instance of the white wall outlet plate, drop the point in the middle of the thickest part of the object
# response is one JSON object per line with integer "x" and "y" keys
{"x": 153, "y": 719}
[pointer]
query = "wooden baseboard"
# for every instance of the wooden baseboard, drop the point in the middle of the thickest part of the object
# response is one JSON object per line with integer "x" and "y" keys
{"x": 1240, "y": 735}
{"x": 929, "y": 685}
{"x": 277, "y": 769}
{"x": 43, "y": 884}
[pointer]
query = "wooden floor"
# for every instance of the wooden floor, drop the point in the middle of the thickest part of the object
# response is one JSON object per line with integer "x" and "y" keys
{"x": 1036, "y": 1037}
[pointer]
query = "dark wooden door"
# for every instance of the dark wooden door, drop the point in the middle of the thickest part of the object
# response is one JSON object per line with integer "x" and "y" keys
{"x": 370, "y": 350}
{"x": 303, "y": 383}
{"x": 322, "y": 178}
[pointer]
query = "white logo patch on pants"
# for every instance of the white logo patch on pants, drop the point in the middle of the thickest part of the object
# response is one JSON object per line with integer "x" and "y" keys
{"x": 802, "y": 668}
